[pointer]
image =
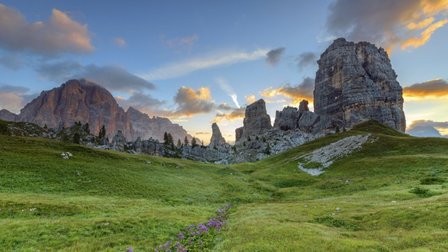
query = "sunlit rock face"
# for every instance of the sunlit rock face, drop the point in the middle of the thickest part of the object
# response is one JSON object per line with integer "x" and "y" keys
{"x": 355, "y": 82}
{"x": 87, "y": 102}
{"x": 73, "y": 101}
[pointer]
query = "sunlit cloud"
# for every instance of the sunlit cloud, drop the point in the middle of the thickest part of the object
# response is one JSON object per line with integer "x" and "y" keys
{"x": 60, "y": 34}
{"x": 434, "y": 88}
{"x": 390, "y": 24}
{"x": 297, "y": 93}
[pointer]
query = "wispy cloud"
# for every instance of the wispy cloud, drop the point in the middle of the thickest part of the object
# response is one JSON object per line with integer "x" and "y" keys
{"x": 182, "y": 43}
{"x": 196, "y": 64}
{"x": 225, "y": 86}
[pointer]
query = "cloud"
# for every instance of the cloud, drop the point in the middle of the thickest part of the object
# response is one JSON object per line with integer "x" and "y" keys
{"x": 273, "y": 56}
{"x": 142, "y": 102}
{"x": 191, "y": 102}
{"x": 196, "y": 64}
{"x": 390, "y": 24}
{"x": 183, "y": 43}
{"x": 60, "y": 34}
{"x": 236, "y": 113}
{"x": 303, "y": 90}
{"x": 306, "y": 59}
{"x": 120, "y": 42}
{"x": 225, "y": 106}
{"x": 112, "y": 77}
{"x": 427, "y": 128}
{"x": 432, "y": 88}
{"x": 11, "y": 62}
{"x": 14, "y": 98}
{"x": 250, "y": 99}
{"x": 229, "y": 90}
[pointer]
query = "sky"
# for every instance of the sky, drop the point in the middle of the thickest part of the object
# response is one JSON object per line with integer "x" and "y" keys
{"x": 198, "y": 62}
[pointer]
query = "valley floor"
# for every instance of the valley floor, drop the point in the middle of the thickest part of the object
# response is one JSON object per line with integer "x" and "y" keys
{"x": 390, "y": 196}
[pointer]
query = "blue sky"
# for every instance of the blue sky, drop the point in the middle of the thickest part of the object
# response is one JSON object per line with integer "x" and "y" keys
{"x": 220, "y": 46}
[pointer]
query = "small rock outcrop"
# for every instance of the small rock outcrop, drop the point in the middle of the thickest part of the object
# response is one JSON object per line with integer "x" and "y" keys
{"x": 287, "y": 119}
{"x": 355, "y": 82}
{"x": 291, "y": 118}
{"x": 256, "y": 120}
{"x": 119, "y": 141}
{"x": 216, "y": 140}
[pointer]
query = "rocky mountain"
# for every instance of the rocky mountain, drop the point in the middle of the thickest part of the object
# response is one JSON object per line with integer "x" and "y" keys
{"x": 87, "y": 102}
{"x": 6, "y": 115}
{"x": 355, "y": 82}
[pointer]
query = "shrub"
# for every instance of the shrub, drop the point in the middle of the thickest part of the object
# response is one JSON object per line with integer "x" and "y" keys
{"x": 422, "y": 192}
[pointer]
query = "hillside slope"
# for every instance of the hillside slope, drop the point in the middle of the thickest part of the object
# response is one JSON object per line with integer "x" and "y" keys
{"x": 390, "y": 195}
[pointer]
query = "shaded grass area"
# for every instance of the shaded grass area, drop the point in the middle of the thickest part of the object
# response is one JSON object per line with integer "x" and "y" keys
{"x": 390, "y": 196}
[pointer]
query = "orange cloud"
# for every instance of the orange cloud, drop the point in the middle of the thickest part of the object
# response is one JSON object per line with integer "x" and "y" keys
{"x": 60, "y": 34}
{"x": 237, "y": 113}
{"x": 191, "y": 102}
{"x": 296, "y": 93}
{"x": 250, "y": 99}
{"x": 424, "y": 36}
{"x": 420, "y": 25}
{"x": 433, "y": 88}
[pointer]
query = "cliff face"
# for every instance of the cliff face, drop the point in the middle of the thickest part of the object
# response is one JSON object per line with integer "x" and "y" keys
{"x": 76, "y": 100}
{"x": 81, "y": 100}
{"x": 355, "y": 82}
{"x": 256, "y": 120}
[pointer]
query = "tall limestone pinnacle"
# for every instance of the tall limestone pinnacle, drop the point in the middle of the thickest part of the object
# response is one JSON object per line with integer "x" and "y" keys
{"x": 217, "y": 139}
{"x": 256, "y": 120}
{"x": 355, "y": 82}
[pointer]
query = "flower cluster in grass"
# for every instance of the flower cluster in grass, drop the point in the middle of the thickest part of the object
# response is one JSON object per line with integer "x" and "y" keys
{"x": 197, "y": 237}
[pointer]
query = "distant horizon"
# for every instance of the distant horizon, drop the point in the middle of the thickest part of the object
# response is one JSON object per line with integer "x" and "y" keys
{"x": 200, "y": 62}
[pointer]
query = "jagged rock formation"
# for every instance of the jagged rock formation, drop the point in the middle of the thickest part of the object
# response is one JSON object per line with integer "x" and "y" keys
{"x": 355, "y": 82}
{"x": 87, "y": 102}
{"x": 6, "y": 115}
{"x": 216, "y": 140}
{"x": 291, "y": 118}
{"x": 147, "y": 127}
{"x": 256, "y": 121}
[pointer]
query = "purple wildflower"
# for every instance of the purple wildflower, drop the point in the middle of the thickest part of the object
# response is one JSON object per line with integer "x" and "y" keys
{"x": 180, "y": 236}
{"x": 130, "y": 249}
{"x": 202, "y": 228}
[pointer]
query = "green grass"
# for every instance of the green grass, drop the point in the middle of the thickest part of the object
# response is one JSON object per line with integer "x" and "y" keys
{"x": 390, "y": 196}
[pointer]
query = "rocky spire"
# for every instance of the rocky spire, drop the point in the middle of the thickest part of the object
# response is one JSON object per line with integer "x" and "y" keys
{"x": 355, "y": 82}
{"x": 256, "y": 120}
{"x": 217, "y": 139}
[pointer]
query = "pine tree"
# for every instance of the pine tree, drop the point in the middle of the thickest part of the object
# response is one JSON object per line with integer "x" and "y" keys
{"x": 194, "y": 143}
{"x": 179, "y": 143}
{"x": 102, "y": 133}
{"x": 186, "y": 143}
{"x": 86, "y": 128}
{"x": 76, "y": 138}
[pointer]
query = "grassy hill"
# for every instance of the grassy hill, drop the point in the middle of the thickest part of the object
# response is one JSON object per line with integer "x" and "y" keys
{"x": 391, "y": 195}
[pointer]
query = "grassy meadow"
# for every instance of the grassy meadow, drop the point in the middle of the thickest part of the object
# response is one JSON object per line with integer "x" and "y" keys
{"x": 390, "y": 196}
